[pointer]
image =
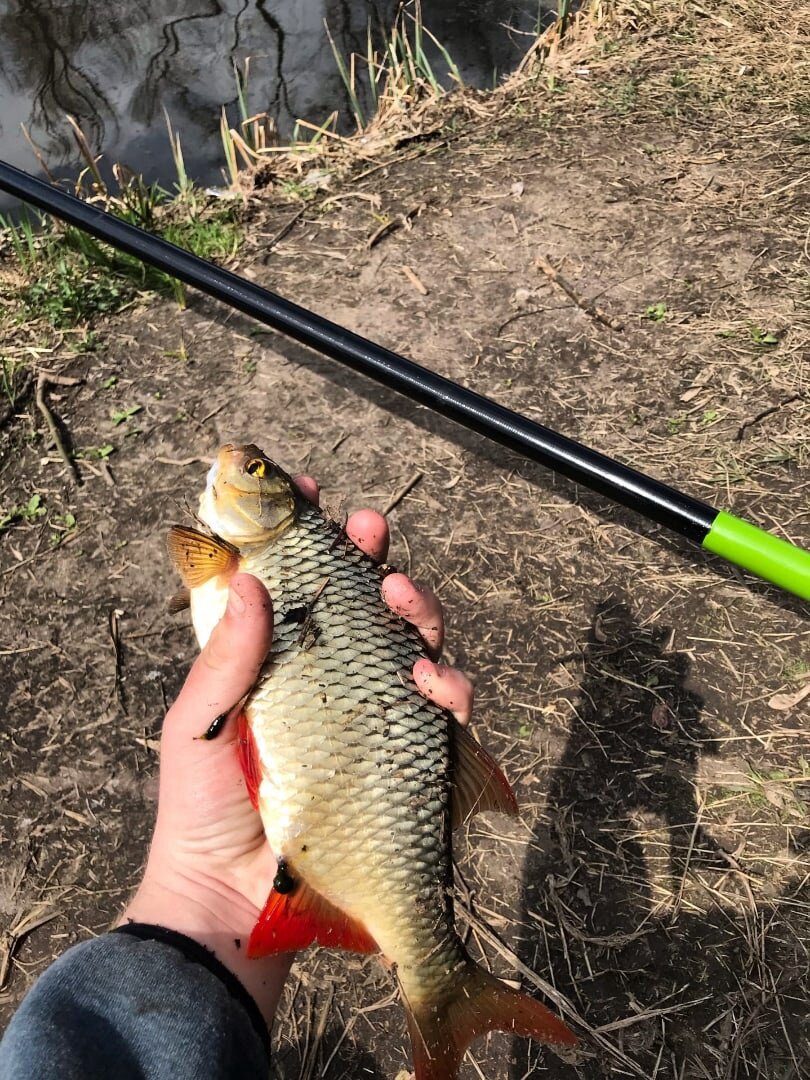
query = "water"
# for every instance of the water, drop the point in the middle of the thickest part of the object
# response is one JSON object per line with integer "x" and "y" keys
{"x": 115, "y": 66}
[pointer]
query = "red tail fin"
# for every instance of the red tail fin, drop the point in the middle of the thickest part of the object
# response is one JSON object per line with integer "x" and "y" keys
{"x": 441, "y": 1034}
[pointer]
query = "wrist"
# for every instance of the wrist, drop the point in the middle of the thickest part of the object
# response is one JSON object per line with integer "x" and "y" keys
{"x": 218, "y": 919}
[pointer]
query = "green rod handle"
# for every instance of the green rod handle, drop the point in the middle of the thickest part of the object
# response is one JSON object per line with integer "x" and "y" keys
{"x": 760, "y": 552}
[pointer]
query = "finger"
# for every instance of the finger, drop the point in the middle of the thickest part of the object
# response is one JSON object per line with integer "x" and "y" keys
{"x": 227, "y": 667}
{"x": 369, "y": 530}
{"x": 417, "y": 605}
{"x": 308, "y": 487}
{"x": 448, "y": 687}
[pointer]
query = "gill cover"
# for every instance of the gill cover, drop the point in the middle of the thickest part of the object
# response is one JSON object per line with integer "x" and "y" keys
{"x": 248, "y": 498}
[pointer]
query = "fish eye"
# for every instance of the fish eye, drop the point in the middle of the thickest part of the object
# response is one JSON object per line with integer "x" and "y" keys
{"x": 255, "y": 467}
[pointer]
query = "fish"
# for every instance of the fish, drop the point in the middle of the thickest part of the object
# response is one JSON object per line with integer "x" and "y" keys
{"x": 359, "y": 779}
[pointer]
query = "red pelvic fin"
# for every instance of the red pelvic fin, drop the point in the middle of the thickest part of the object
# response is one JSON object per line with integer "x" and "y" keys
{"x": 479, "y": 783}
{"x": 303, "y": 917}
{"x": 440, "y": 1035}
{"x": 248, "y": 759}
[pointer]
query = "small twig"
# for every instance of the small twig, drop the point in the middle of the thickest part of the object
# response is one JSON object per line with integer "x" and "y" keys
{"x": 330, "y": 200}
{"x": 48, "y": 553}
{"x": 13, "y": 937}
{"x": 696, "y": 828}
{"x": 715, "y": 18}
{"x": 786, "y": 187}
{"x": 401, "y": 222}
{"x": 282, "y": 232}
{"x": 612, "y": 941}
{"x": 310, "y": 608}
{"x": 384, "y": 229}
{"x": 104, "y": 466}
{"x": 741, "y": 430}
{"x": 417, "y": 283}
{"x": 310, "y": 1060}
{"x": 43, "y": 379}
{"x": 650, "y": 1014}
{"x": 420, "y": 151}
{"x": 24, "y": 649}
{"x": 149, "y": 744}
{"x": 595, "y": 312}
{"x": 525, "y": 315}
{"x": 116, "y": 640}
{"x": 399, "y": 495}
{"x": 214, "y": 412}
{"x": 382, "y": 1004}
{"x": 38, "y": 154}
{"x": 183, "y": 463}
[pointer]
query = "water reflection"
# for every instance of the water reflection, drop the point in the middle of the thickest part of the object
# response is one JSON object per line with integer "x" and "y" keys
{"x": 114, "y": 66}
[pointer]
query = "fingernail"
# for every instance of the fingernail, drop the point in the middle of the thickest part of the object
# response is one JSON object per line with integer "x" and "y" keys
{"x": 236, "y": 603}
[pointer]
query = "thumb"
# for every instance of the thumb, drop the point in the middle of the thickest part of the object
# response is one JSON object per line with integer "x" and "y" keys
{"x": 227, "y": 667}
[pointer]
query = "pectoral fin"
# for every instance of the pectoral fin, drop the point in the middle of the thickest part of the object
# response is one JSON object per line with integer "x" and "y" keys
{"x": 198, "y": 558}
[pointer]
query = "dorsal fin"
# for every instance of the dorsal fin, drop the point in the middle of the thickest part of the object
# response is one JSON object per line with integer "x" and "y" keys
{"x": 198, "y": 558}
{"x": 479, "y": 783}
{"x": 293, "y": 920}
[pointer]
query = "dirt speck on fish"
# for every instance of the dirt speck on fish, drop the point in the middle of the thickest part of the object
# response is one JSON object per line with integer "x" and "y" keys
{"x": 358, "y": 778}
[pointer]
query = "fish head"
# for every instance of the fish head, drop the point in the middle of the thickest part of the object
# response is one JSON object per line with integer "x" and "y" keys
{"x": 248, "y": 499}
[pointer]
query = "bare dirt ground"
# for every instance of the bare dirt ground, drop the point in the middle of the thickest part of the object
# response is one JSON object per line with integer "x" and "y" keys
{"x": 644, "y": 698}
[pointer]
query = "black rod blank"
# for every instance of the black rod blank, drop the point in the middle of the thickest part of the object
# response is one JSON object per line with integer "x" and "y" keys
{"x": 679, "y": 512}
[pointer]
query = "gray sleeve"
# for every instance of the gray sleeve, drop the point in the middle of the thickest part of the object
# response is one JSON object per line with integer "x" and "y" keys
{"x": 144, "y": 1004}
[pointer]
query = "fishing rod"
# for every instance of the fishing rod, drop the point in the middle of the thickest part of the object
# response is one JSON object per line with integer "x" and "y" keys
{"x": 738, "y": 541}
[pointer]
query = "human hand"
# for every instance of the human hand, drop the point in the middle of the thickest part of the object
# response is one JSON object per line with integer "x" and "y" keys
{"x": 209, "y": 868}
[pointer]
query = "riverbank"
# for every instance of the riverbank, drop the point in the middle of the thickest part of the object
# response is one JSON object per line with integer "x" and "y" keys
{"x": 644, "y": 699}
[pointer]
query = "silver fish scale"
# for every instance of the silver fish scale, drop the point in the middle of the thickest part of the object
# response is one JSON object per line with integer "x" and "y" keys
{"x": 355, "y": 762}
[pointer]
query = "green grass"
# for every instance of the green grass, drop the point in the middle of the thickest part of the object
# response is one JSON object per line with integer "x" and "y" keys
{"x": 212, "y": 238}
{"x": 10, "y": 371}
{"x": 66, "y": 289}
{"x": 28, "y": 511}
{"x": 70, "y": 279}
{"x": 656, "y": 312}
{"x": 762, "y": 339}
{"x": 96, "y": 453}
{"x": 398, "y": 74}
{"x": 620, "y": 97}
{"x": 122, "y": 415}
{"x": 62, "y": 525}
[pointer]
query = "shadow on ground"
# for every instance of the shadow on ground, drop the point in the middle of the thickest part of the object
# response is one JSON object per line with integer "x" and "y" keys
{"x": 641, "y": 897}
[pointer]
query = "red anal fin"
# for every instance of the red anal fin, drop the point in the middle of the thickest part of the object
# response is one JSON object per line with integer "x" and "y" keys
{"x": 303, "y": 917}
{"x": 248, "y": 759}
{"x": 479, "y": 784}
